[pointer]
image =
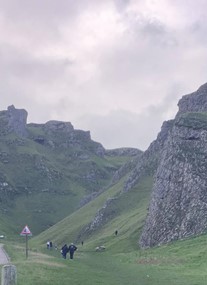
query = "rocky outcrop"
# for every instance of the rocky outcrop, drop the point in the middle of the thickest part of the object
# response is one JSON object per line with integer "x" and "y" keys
{"x": 102, "y": 216}
{"x": 141, "y": 165}
{"x": 58, "y": 126}
{"x": 58, "y": 134}
{"x": 194, "y": 102}
{"x": 147, "y": 163}
{"x": 13, "y": 120}
{"x": 178, "y": 207}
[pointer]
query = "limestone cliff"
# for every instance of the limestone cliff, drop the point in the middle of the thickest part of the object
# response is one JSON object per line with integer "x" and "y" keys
{"x": 143, "y": 164}
{"x": 178, "y": 207}
{"x": 13, "y": 120}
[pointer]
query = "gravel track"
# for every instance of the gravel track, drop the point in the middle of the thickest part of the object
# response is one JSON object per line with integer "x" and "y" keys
{"x": 4, "y": 259}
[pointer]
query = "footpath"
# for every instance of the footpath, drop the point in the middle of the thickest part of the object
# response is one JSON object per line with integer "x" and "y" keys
{"x": 4, "y": 259}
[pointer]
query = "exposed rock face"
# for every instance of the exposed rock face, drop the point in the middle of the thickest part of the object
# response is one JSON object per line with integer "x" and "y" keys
{"x": 58, "y": 134}
{"x": 178, "y": 207}
{"x": 146, "y": 163}
{"x": 142, "y": 164}
{"x": 14, "y": 120}
{"x": 54, "y": 126}
{"x": 194, "y": 102}
{"x": 17, "y": 120}
{"x": 100, "y": 217}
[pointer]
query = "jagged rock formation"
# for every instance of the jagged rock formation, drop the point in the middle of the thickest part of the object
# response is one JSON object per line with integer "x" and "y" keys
{"x": 178, "y": 207}
{"x": 194, "y": 102}
{"x": 102, "y": 217}
{"x": 120, "y": 173}
{"x": 58, "y": 134}
{"x": 13, "y": 120}
{"x": 147, "y": 163}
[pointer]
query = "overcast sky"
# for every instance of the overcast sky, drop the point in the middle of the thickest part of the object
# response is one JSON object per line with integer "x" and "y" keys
{"x": 114, "y": 67}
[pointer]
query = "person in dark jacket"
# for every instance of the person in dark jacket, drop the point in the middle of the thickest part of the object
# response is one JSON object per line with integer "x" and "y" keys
{"x": 64, "y": 251}
{"x": 72, "y": 248}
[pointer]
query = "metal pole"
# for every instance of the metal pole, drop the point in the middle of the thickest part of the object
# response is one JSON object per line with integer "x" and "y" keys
{"x": 26, "y": 236}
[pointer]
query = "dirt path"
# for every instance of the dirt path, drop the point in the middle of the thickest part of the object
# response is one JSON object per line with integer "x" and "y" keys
{"x": 4, "y": 259}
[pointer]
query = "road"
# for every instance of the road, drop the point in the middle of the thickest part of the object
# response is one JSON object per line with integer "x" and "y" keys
{"x": 4, "y": 259}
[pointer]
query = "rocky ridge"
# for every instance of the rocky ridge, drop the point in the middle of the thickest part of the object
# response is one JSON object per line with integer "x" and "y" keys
{"x": 178, "y": 207}
{"x": 55, "y": 160}
{"x": 143, "y": 164}
{"x": 13, "y": 120}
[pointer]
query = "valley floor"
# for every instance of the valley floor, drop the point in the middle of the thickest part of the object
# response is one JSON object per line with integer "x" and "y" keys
{"x": 168, "y": 265}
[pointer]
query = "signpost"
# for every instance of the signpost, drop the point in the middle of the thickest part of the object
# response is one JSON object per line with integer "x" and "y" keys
{"x": 26, "y": 232}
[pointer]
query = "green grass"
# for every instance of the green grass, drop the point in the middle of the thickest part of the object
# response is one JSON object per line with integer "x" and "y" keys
{"x": 180, "y": 263}
{"x": 46, "y": 184}
{"x": 123, "y": 262}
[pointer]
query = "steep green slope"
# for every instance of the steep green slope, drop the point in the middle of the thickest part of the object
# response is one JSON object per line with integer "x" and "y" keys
{"x": 39, "y": 187}
{"x": 123, "y": 262}
{"x": 48, "y": 171}
{"x": 126, "y": 215}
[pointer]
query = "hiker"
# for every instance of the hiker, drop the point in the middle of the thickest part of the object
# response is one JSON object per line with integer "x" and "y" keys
{"x": 82, "y": 242}
{"x": 64, "y": 251}
{"x": 50, "y": 245}
{"x": 72, "y": 248}
{"x": 116, "y": 232}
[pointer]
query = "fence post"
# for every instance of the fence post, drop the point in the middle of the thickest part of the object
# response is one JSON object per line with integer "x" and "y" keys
{"x": 9, "y": 275}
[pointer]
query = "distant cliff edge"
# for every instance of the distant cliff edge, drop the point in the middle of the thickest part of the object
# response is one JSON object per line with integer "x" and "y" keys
{"x": 178, "y": 207}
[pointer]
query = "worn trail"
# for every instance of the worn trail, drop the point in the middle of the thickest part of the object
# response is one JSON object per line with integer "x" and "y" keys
{"x": 4, "y": 259}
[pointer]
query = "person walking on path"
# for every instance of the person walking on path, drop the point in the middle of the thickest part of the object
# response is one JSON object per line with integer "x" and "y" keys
{"x": 64, "y": 251}
{"x": 72, "y": 248}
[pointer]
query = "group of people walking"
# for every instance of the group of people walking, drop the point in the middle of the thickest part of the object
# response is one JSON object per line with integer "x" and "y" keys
{"x": 49, "y": 245}
{"x": 65, "y": 249}
{"x": 71, "y": 249}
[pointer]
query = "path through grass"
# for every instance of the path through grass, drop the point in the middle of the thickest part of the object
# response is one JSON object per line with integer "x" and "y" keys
{"x": 161, "y": 266}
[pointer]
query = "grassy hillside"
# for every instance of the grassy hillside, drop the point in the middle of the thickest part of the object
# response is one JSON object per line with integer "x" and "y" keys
{"x": 126, "y": 215}
{"x": 180, "y": 263}
{"x": 41, "y": 184}
{"x": 122, "y": 262}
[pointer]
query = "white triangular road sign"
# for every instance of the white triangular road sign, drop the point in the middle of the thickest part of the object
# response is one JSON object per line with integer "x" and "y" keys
{"x": 26, "y": 231}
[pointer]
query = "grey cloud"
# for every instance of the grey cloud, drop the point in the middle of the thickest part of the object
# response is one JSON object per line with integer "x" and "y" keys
{"x": 29, "y": 77}
{"x": 121, "y": 5}
{"x": 124, "y": 129}
{"x": 45, "y": 12}
{"x": 35, "y": 11}
{"x": 150, "y": 30}
{"x": 199, "y": 30}
{"x": 128, "y": 129}
{"x": 40, "y": 22}
{"x": 57, "y": 64}
{"x": 22, "y": 64}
